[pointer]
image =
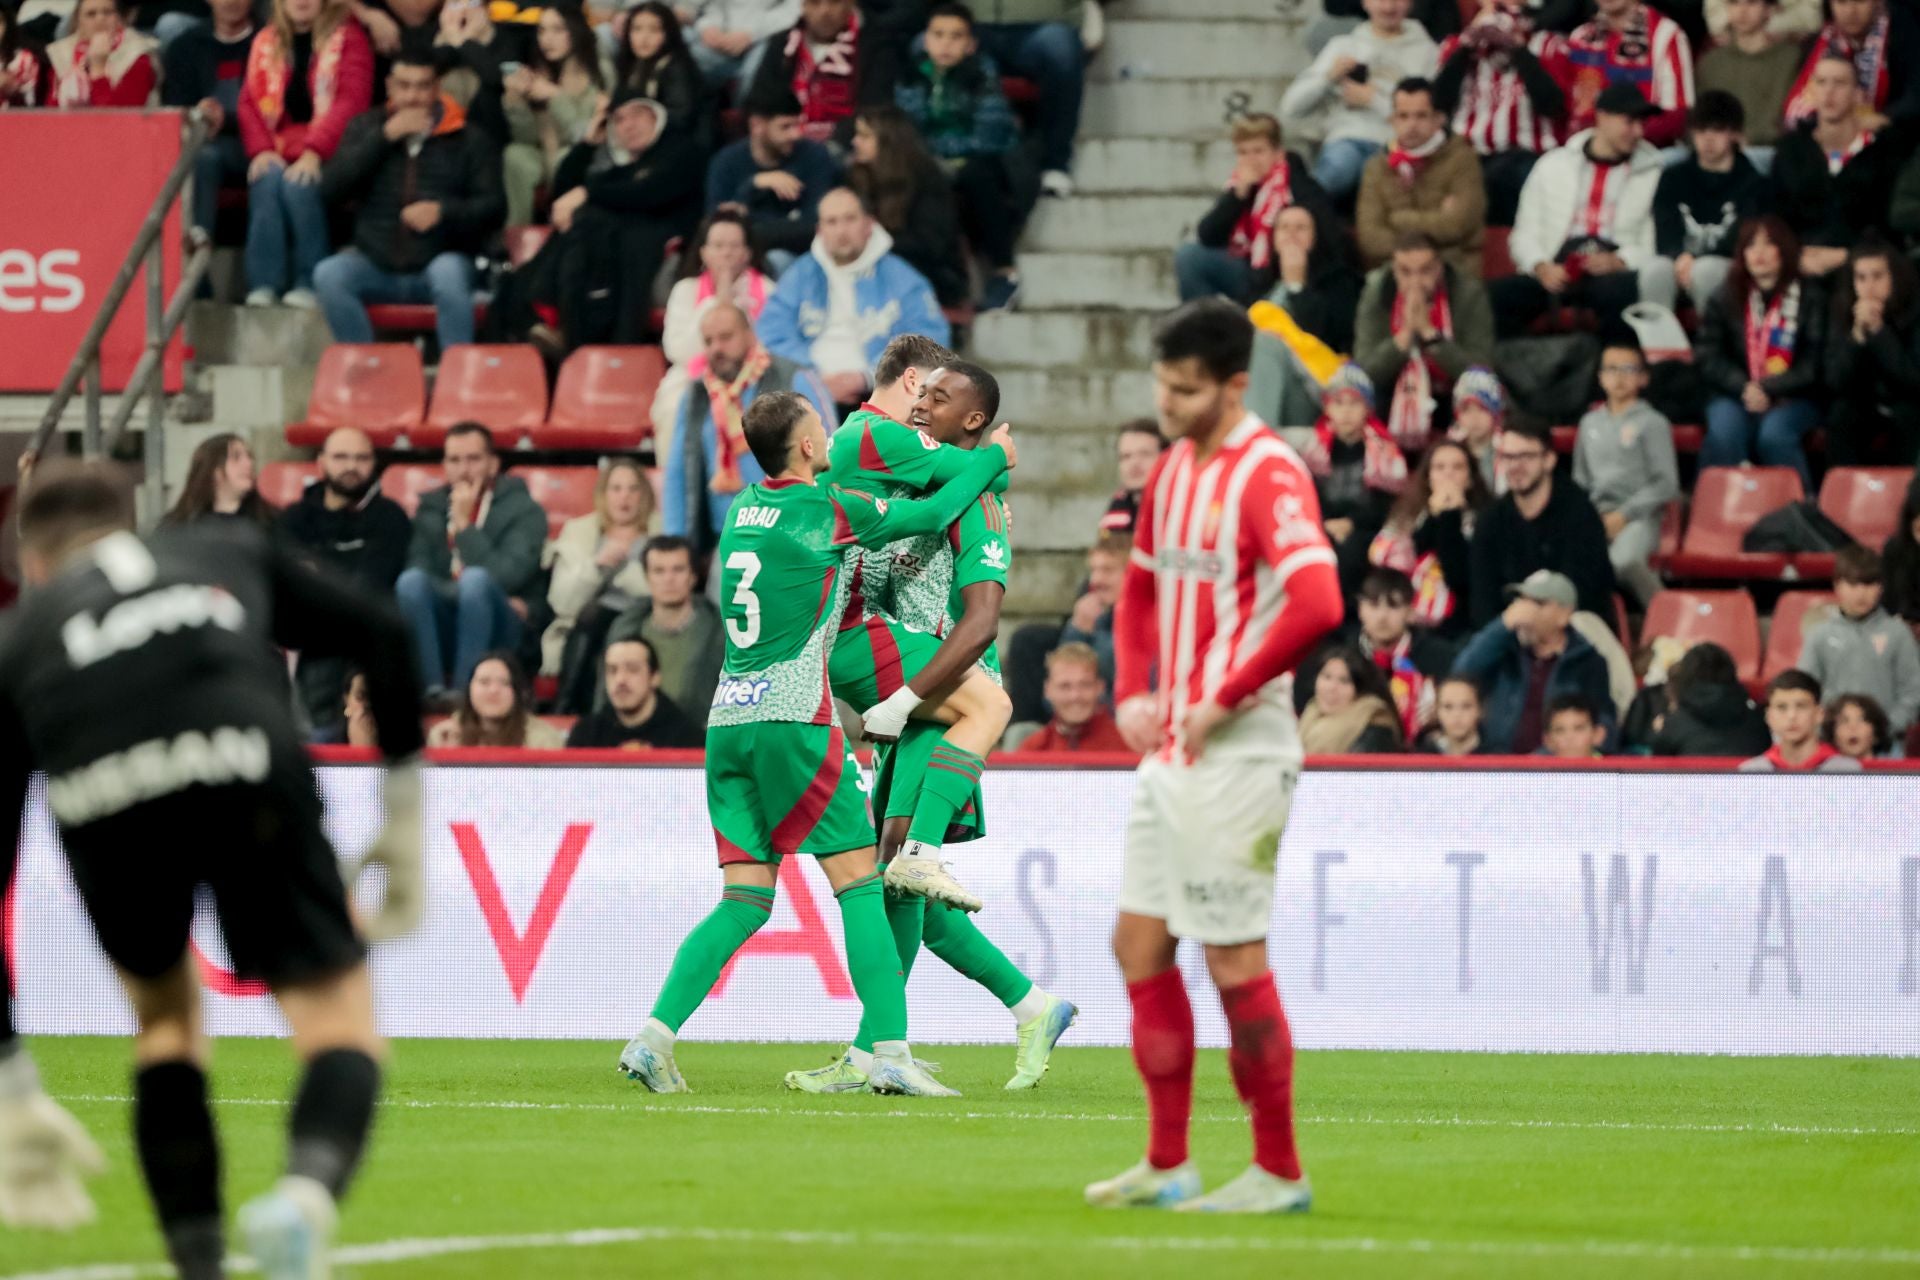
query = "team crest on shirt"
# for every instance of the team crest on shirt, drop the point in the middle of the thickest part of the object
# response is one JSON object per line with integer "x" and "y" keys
{"x": 1210, "y": 529}
{"x": 1291, "y": 524}
{"x": 907, "y": 565}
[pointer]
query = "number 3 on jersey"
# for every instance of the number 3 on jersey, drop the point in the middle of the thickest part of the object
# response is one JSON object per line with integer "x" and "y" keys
{"x": 743, "y": 634}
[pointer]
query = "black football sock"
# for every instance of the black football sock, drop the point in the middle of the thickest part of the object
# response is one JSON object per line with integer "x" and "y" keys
{"x": 180, "y": 1156}
{"x": 331, "y": 1117}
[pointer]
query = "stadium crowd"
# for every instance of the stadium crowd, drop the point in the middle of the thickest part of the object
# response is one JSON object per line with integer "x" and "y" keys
{"x": 1546, "y": 277}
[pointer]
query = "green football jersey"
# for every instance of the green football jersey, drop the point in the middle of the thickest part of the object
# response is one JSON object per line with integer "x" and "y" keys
{"x": 975, "y": 548}
{"x": 782, "y": 588}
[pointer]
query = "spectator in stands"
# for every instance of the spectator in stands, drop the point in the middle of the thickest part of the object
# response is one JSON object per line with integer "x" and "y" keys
{"x": 836, "y": 309}
{"x": 1347, "y": 92}
{"x": 1530, "y": 655}
{"x": 898, "y": 179}
{"x": 1623, "y": 457}
{"x": 620, "y": 196}
{"x": 471, "y": 51}
{"x": 1856, "y": 726}
{"x": 1708, "y": 712}
{"x": 474, "y": 559}
{"x": 550, "y": 103}
{"x": 953, "y": 97}
{"x": 595, "y": 575}
{"x": 1541, "y": 522}
{"x": 1138, "y": 447}
{"x": 1308, "y": 275}
{"x": 1428, "y": 536}
{"x": 1759, "y": 351}
{"x": 1756, "y": 67}
{"x": 1788, "y": 21}
{"x": 23, "y": 72}
{"x": 1902, "y": 561}
{"x": 104, "y": 63}
{"x": 1457, "y": 713}
{"x": 1422, "y": 323}
{"x": 496, "y": 710}
{"x": 1091, "y": 621}
{"x": 773, "y": 177}
{"x": 1633, "y": 46}
{"x": 1233, "y": 249}
{"x": 1584, "y": 235}
{"x": 1701, "y": 201}
{"x": 682, "y": 626}
{"x": 832, "y": 64}
{"x": 220, "y": 485}
{"x": 345, "y": 521}
{"x": 204, "y": 68}
{"x": 719, "y": 265}
{"x": 1505, "y": 86}
{"x": 1427, "y": 181}
{"x": 428, "y": 191}
{"x": 1078, "y": 696}
{"x": 1793, "y": 717}
{"x": 358, "y": 729}
{"x": 1873, "y": 359}
{"x": 1040, "y": 40}
{"x": 1575, "y": 730}
{"x": 638, "y": 716}
{"x": 653, "y": 61}
{"x": 308, "y": 76}
{"x": 1356, "y": 468}
{"x": 1412, "y": 658}
{"x": 1351, "y": 711}
{"x": 709, "y": 462}
{"x": 1833, "y": 178}
{"x": 728, "y": 38}
{"x": 1880, "y": 42}
{"x": 1862, "y": 648}
{"x": 1479, "y": 416}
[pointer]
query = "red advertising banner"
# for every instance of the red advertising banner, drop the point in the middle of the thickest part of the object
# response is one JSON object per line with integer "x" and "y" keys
{"x": 80, "y": 182}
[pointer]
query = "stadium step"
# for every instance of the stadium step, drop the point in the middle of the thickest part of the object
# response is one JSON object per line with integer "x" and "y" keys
{"x": 1175, "y": 108}
{"x": 1095, "y": 224}
{"x": 1064, "y": 339}
{"x": 1053, "y": 400}
{"x": 1252, "y": 10}
{"x": 1190, "y": 49}
{"x": 1108, "y": 166}
{"x": 1131, "y": 281}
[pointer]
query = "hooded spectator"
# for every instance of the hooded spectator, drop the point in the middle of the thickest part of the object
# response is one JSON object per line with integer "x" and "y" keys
{"x": 496, "y": 710}
{"x": 1428, "y": 181}
{"x": 910, "y": 197}
{"x": 220, "y": 484}
{"x": 1708, "y": 711}
{"x": 1428, "y": 536}
{"x": 104, "y": 63}
{"x": 1421, "y": 324}
{"x": 1873, "y": 359}
{"x": 550, "y": 103}
{"x": 1505, "y": 86}
{"x": 1233, "y": 250}
{"x": 1351, "y": 711}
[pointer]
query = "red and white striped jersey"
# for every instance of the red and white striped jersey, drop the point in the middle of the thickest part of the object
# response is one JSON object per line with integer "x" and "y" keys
{"x": 1222, "y": 539}
{"x": 1495, "y": 114}
{"x": 1653, "y": 56}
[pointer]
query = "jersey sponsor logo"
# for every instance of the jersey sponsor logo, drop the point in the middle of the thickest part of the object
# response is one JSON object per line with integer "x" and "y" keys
{"x": 49, "y": 282}
{"x": 131, "y": 623}
{"x": 732, "y": 692}
{"x": 115, "y": 783}
{"x": 756, "y": 518}
{"x": 1191, "y": 564}
{"x": 994, "y": 555}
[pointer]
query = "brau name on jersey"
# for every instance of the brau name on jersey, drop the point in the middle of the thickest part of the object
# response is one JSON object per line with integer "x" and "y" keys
{"x": 756, "y": 517}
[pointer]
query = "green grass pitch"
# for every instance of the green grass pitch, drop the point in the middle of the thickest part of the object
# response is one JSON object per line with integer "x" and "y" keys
{"x": 513, "y": 1159}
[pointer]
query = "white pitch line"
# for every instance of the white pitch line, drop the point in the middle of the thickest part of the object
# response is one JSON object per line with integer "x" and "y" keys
{"x": 1614, "y": 1250}
{"x": 897, "y": 1112}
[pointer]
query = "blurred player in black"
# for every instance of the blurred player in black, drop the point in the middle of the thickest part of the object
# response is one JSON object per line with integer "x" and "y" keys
{"x": 140, "y": 675}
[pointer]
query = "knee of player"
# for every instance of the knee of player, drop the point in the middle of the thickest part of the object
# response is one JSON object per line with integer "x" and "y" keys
{"x": 987, "y": 700}
{"x": 1237, "y": 964}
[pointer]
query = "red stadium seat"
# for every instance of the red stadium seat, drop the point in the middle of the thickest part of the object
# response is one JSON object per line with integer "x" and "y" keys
{"x": 1495, "y": 258}
{"x": 1686, "y": 439}
{"x": 524, "y": 242}
{"x": 406, "y": 482}
{"x": 412, "y": 317}
{"x": 282, "y": 483}
{"x": 1727, "y": 501}
{"x": 1727, "y": 618}
{"x": 504, "y": 388}
{"x": 603, "y": 399}
{"x": 562, "y": 492}
{"x": 1783, "y": 642}
{"x": 1865, "y": 501}
{"x": 377, "y": 387}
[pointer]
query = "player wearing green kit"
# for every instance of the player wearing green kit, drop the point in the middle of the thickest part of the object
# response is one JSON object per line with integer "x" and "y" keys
{"x": 950, "y": 585}
{"x": 778, "y": 775}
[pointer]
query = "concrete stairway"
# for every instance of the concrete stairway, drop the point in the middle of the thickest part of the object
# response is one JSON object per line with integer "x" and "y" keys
{"x": 1073, "y": 357}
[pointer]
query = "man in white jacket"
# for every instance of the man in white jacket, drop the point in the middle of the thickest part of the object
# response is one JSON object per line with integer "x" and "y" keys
{"x": 1584, "y": 232}
{"x": 1346, "y": 96}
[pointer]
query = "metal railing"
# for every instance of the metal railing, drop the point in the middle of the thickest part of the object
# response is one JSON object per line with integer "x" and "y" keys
{"x": 163, "y": 320}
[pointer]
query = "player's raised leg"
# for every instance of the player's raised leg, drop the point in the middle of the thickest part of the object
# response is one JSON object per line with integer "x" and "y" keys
{"x": 976, "y": 712}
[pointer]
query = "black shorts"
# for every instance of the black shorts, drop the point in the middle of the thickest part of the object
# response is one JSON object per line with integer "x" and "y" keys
{"x": 261, "y": 851}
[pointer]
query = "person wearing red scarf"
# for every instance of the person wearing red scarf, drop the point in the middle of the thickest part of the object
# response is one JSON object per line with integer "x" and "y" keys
{"x": 1232, "y": 248}
{"x": 1793, "y": 715}
{"x": 104, "y": 63}
{"x": 1357, "y": 470}
{"x": 1421, "y": 324}
{"x": 1427, "y": 181}
{"x": 1880, "y": 44}
{"x": 834, "y": 62}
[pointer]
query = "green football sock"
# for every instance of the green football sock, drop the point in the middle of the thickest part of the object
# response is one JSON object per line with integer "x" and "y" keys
{"x": 871, "y": 958}
{"x": 705, "y": 951}
{"x": 906, "y": 915}
{"x": 952, "y": 774}
{"x": 952, "y": 935}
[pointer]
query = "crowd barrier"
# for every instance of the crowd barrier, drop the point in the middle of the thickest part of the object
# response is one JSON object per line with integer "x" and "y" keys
{"x": 1639, "y": 910}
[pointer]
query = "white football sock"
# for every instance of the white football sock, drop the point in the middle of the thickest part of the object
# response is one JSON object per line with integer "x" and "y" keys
{"x": 1029, "y": 1006}
{"x": 921, "y": 849}
{"x": 897, "y": 1050}
{"x": 860, "y": 1058}
{"x": 657, "y": 1035}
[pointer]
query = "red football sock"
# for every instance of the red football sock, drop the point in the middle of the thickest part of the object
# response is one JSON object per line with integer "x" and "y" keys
{"x": 1163, "y": 1053}
{"x": 1262, "y": 1062}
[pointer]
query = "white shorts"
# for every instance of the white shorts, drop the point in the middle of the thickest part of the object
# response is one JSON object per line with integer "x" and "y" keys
{"x": 1202, "y": 844}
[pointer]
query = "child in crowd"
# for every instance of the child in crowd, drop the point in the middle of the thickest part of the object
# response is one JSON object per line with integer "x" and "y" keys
{"x": 1861, "y": 648}
{"x": 1479, "y": 411}
{"x": 1411, "y": 659}
{"x": 1356, "y": 467}
{"x": 1457, "y": 711}
{"x": 1857, "y": 726}
{"x": 1701, "y": 201}
{"x": 1233, "y": 251}
{"x": 1574, "y": 730}
{"x": 1624, "y": 459}
{"x": 1793, "y": 717}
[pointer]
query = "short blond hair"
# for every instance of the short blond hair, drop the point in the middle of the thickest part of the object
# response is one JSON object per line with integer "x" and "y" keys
{"x": 1257, "y": 124}
{"x": 1074, "y": 651}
